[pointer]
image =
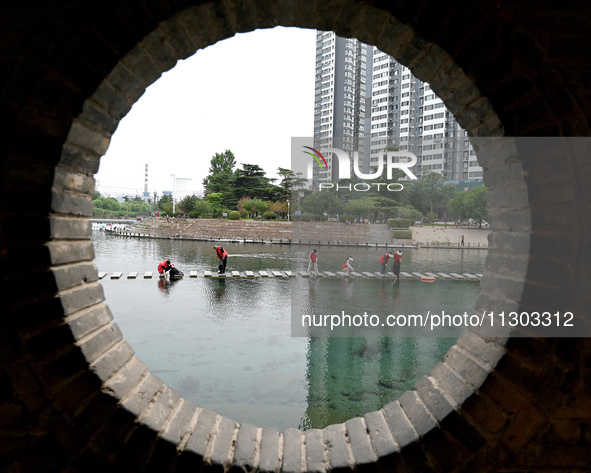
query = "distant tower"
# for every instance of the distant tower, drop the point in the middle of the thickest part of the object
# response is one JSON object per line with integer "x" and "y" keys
{"x": 146, "y": 193}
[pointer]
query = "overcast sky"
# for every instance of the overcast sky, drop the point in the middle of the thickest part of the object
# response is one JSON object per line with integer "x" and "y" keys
{"x": 250, "y": 94}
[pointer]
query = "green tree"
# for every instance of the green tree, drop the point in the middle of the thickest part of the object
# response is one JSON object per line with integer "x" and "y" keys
{"x": 317, "y": 203}
{"x": 289, "y": 182}
{"x": 470, "y": 204}
{"x": 110, "y": 203}
{"x": 279, "y": 207}
{"x": 252, "y": 181}
{"x": 255, "y": 207}
{"x": 187, "y": 203}
{"x": 200, "y": 208}
{"x": 221, "y": 177}
{"x": 215, "y": 200}
{"x": 240, "y": 205}
{"x": 165, "y": 204}
{"x": 361, "y": 208}
{"x": 430, "y": 193}
{"x": 98, "y": 203}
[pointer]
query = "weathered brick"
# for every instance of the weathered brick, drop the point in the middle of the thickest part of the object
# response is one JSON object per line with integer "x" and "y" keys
{"x": 81, "y": 297}
{"x": 199, "y": 440}
{"x": 70, "y": 228}
{"x": 432, "y": 437}
{"x": 82, "y": 136}
{"x": 138, "y": 447}
{"x": 381, "y": 438}
{"x": 160, "y": 51}
{"x": 222, "y": 444}
{"x": 406, "y": 436}
{"x": 487, "y": 351}
{"x": 105, "y": 123}
{"x": 292, "y": 451}
{"x": 112, "y": 360}
{"x": 447, "y": 416}
{"x": 141, "y": 65}
{"x": 339, "y": 458}
{"x": 468, "y": 368}
{"x": 85, "y": 161}
{"x": 121, "y": 425}
{"x": 71, "y": 204}
{"x": 315, "y": 455}
{"x": 168, "y": 442}
{"x": 365, "y": 457}
{"x": 246, "y": 445}
{"x": 269, "y": 454}
{"x": 122, "y": 381}
{"x": 100, "y": 341}
{"x": 65, "y": 252}
{"x": 71, "y": 275}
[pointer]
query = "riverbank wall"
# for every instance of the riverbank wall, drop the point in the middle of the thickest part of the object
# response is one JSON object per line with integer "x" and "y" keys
{"x": 320, "y": 233}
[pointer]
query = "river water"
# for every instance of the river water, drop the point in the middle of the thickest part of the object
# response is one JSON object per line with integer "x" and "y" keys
{"x": 227, "y": 345}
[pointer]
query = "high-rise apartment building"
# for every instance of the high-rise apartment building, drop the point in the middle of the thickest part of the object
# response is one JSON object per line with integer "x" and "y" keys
{"x": 340, "y": 98}
{"x": 405, "y": 113}
{"x": 366, "y": 102}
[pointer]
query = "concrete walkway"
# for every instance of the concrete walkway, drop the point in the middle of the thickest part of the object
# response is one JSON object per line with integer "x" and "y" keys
{"x": 472, "y": 236}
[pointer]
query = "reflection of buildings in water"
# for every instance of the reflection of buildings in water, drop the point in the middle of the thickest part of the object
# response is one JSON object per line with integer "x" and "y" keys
{"x": 348, "y": 377}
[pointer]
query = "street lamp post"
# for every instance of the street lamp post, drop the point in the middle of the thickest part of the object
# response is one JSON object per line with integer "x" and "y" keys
{"x": 173, "y": 192}
{"x": 288, "y": 210}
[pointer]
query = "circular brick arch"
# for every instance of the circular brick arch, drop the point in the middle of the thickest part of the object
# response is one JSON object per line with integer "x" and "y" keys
{"x": 75, "y": 398}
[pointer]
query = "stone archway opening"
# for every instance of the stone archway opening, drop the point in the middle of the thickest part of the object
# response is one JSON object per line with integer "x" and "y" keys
{"x": 480, "y": 401}
{"x": 115, "y": 96}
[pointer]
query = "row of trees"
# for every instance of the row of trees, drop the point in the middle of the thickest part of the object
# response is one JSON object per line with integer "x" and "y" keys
{"x": 249, "y": 191}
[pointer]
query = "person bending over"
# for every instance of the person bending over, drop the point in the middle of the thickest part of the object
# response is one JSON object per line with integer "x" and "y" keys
{"x": 165, "y": 267}
{"x": 347, "y": 268}
{"x": 222, "y": 255}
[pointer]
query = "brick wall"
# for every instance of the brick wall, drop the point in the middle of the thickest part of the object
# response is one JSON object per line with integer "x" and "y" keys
{"x": 265, "y": 229}
{"x": 74, "y": 398}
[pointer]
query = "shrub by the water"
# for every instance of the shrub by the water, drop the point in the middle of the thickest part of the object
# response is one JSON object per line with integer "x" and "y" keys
{"x": 399, "y": 222}
{"x": 402, "y": 234}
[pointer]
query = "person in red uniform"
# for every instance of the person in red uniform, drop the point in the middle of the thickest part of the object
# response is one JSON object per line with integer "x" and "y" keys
{"x": 222, "y": 255}
{"x": 347, "y": 268}
{"x": 384, "y": 261}
{"x": 165, "y": 267}
{"x": 397, "y": 261}
{"x": 312, "y": 262}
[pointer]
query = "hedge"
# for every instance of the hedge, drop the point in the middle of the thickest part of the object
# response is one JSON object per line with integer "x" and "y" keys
{"x": 234, "y": 215}
{"x": 399, "y": 222}
{"x": 402, "y": 234}
{"x": 269, "y": 214}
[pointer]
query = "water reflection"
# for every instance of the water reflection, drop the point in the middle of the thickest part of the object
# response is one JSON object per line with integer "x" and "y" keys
{"x": 166, "y": 285}
{"x": 226, "y": 344}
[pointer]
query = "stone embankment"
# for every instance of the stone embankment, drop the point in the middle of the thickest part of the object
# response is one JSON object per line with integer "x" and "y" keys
{"x": 266, "y": 230}
{"x": 321, "y": 233}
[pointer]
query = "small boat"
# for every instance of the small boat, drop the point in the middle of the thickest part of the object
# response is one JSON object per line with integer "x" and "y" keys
{"x": 428, "y": 279}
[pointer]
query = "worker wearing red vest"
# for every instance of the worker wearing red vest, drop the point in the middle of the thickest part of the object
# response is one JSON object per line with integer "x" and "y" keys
{"x": 222, "y": 255}
{"x": 397, "y": 261}
{"x": 164, "y": 267}
{"x": 384, "y": 261}
{"x": 347, "y": 268}
{"x": 312, "y": 262}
